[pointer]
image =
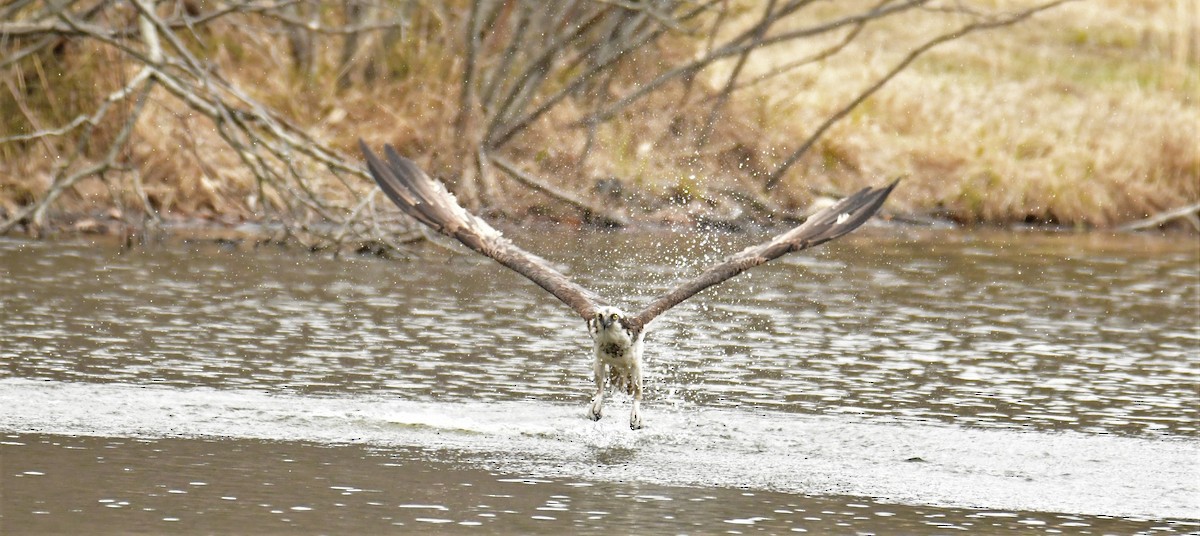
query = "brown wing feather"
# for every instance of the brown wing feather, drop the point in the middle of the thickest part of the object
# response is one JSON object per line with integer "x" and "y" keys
{"x": 834, "y": 221}
{"x": 428, "y": 202}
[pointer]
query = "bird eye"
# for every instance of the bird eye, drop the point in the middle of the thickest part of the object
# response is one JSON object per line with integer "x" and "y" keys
{"x": 615, "y": 316}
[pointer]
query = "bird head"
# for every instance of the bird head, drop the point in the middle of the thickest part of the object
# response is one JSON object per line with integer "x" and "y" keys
{"x": 608, "y": 317}
{"x": 609, "y": 324}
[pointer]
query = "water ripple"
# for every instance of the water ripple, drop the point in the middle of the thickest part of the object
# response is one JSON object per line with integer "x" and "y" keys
{"x": 982, "y": 330}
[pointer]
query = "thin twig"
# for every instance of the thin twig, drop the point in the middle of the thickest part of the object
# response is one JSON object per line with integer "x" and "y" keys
{"x": 602, "y": 214}
{"x": 732, "y": 48}
{"x": 1189, "y": 213}
{"x": 723, "y": 97}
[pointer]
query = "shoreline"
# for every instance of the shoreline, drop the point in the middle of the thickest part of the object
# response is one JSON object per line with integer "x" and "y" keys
{"x": 253, "y": 235}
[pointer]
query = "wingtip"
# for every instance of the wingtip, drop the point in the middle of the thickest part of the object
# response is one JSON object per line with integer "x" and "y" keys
{"x": 885, "y": 191}
{"x": 879, "y": 194}
{"x": 394, "y": 156}
{"x": 366, "y": 149}
{"x": 389, "y": 151}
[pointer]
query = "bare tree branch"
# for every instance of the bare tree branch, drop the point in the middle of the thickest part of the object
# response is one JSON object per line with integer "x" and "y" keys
{"x": 1189, "y": 213}
{"x": 760, "y": 30}
{"x": 734, "y": 47}
{"x": 603, "y": 215}
{"x": 506, "y": 68}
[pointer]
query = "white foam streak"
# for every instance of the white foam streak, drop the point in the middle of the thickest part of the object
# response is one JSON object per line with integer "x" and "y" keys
{"x": 934, "y": 465}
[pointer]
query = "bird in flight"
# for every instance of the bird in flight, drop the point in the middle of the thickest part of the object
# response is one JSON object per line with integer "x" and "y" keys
{"x": 616, "y": 335}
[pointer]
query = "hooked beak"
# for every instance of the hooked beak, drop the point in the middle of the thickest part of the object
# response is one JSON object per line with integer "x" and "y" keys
{"x": 605, "y": 321}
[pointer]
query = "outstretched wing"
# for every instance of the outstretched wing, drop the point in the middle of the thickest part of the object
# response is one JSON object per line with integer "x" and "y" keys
{"x": 834, "y": 221}
{"x": 428, "y": 202}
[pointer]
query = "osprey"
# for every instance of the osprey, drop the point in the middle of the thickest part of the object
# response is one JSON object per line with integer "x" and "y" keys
{"x": 616, "y": 335}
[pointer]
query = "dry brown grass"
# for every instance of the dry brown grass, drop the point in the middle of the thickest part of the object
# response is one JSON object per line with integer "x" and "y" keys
{"x": 1087, "y": 115}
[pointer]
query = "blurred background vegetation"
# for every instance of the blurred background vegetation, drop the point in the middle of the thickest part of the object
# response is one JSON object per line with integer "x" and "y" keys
{"x": 128, "y": 115}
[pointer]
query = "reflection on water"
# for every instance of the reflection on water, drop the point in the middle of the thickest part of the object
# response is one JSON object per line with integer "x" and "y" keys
{"x": 1014, "y": 331}
{"x": 225, "y": 486}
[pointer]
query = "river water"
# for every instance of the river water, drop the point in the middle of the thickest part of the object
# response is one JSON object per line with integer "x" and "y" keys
{"x": 896, "y": 381}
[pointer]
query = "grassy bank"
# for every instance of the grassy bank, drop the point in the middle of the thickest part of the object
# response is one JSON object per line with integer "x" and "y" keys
{"x": 1086, "y": 116}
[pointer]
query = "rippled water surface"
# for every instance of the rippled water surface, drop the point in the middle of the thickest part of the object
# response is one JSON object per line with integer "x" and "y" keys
{"x": 919, "y": 364}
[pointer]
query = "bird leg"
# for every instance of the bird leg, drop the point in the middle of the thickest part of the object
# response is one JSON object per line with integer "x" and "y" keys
{"x": 598, "y": 399}
{"x": 635, "y": 418}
